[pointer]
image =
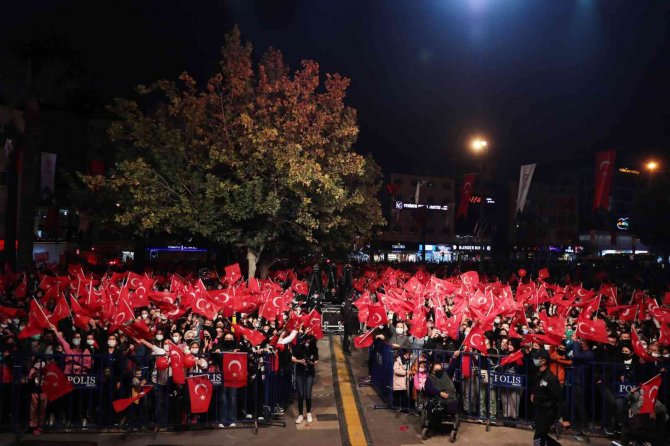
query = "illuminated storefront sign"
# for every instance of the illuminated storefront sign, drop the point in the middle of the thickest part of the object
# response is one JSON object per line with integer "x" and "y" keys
{"x": 471, "y": 247}
{"x": 430, "y": 207}
{"x": 623, "y": 223}
{"x": 629, "y": 171}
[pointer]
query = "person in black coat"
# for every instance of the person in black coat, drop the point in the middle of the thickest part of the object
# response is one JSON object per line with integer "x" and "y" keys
{"x": 305, "y": 356}
{"x": 351, "y": 324}
{"x": 546, "y": 396}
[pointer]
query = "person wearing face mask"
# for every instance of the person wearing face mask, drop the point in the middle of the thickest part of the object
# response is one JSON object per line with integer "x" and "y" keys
{"x": 399, "y": 340}
{"x": 441, "y": 393}
{"x": 159, "y": 379}
{"x": 557, "y": 364}
{"x": 228, "y": 395}
{"x": 305, "y": 356}
{"x": 582, "y": 358}
{"x": 113, "y": 368}
{"x": 400, "y": 377}
{"x": 546, "y": 397}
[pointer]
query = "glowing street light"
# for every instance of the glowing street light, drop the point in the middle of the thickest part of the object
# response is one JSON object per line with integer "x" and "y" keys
{"x": 478, "y": 144}
{"x": 651, "y": 166}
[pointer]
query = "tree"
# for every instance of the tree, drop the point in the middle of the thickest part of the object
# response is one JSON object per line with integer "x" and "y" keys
{"x": 261, "y": 159}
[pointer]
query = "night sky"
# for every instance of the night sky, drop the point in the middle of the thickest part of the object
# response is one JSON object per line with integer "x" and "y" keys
{"x": 542, "y": 80}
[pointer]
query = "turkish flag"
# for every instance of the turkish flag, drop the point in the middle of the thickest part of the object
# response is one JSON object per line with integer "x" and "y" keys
{"x": 553, "y": 325}
{"x": 466, "y": 364}
{"x": 140, "y": 298}
{"x": 466, "y": 193}
{"x": 233, "y": 273}
{"x": 137, "y": 330}
{"x": 176, "y": 363}
{"x": 37, "y": 317}
{"x": 123, "y": 312}
{"x": 364, "y": 340}
{"x": 664, "y": 338}
{"x": 255, "y": 337}
{"x": 666, "y": 298}
{"x": 649, "y": 391}
{"x": 470, "y": 279}
{"x": 589, "y": 308}
{"x": 135, "y": 280}
{"x": 21, "y": 290}
{"x": 55, "y": 384}
{"x": 200, "y": 392}
{"x": 625, "y": 313}
{"x": 639, "y": 349}
{"x": 203, "y": 306}
{"x": 80, "y": 317}
{"x": 376, "y": 315}
{"x": 300, "y": 287}
{"x": 542, "y": 339}
{"x": 61, "y": 311}
{"x": 312, "y": 321}
{"x": 543, "y": 274}
{"x": 475, "y": 339}
{"x": 123, "y": 403}
{"x": 603, "y": 182}
{"x": 235, "y": 370}
{"x": 517, "y": 357}
{"x": 8, "y": 311}
{"x": 595, "y": 331}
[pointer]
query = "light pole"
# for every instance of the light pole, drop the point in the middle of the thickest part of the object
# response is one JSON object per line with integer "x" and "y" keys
{"x": 651, "y": 166}
{"x": 479, "y": 146}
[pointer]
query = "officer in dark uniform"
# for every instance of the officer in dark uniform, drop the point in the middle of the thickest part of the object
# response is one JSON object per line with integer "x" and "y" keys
{"x": 546, "y": 396}
{"x": 349, "y": 314}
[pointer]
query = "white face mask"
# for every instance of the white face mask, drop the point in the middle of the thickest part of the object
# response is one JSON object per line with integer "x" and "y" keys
{"x": 90, "y": 341}
{"x": 111, "y": 343}
{"x": 76, "y": 341}
{"x": 175, "y": 339}
{"x": 144, "y": 315}
{"x": 655, "y": 354}
{"x": 159, "y": 337}
{"x": 195, "y": 351}
{"x": 399, "y": 330}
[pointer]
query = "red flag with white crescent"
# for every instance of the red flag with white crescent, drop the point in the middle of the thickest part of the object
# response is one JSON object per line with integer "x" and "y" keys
{"x": 649, "y": 392}
{"x": 200, "y": 392}
{"x": 122, "y": 403}
{"x": 235, "y": 370}
{"x": 376, "y": 315}
{"x": 176, "y": 363}
{"x": 466, "y": 193}
{"x": 54, "y": 383}
{"x": 603, "y": 182}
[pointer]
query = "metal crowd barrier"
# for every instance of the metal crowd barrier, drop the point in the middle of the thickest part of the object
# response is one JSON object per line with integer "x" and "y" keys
{"x": 593, "y": 394}
{"x": 166, "y": 406}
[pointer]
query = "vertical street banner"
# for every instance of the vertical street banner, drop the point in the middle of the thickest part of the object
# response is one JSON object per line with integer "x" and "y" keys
{"x": 603, "y": 183}
{"x": 525, "y": 177}
{"x": 466, "y": 193}
{"x": 48, "y": 174}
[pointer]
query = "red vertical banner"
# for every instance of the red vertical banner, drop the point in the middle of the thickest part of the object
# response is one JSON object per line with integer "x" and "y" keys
{"x": 603, "y": 183}
{"x": 466, "y": 193}
{"x": 235, "y": 369}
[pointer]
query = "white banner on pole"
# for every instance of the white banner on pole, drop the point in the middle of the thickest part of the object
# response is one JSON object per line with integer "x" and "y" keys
{"x": 525, "y": 178}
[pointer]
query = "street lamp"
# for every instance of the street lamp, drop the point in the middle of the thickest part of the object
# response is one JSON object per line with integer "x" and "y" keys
{"x": 478, "y": 145}
{"x": 651, "y": 166}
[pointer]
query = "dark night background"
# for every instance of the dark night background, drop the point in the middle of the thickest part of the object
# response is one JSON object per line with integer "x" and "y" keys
{"x": 543, "y": 81}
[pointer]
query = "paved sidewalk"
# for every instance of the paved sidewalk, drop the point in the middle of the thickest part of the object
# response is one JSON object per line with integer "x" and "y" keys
{"x": 390, "y": 429}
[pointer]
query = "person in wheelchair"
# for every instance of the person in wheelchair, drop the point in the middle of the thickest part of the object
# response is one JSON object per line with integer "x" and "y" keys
{"x": 442, "y": 397}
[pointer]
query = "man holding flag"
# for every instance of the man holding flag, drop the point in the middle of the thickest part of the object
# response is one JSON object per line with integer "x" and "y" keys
{"x": 648, "y": 414}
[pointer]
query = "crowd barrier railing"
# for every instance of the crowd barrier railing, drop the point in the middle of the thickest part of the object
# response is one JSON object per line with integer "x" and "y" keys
{"x": 98, "y": 380}
{"x": 593, "y": 393}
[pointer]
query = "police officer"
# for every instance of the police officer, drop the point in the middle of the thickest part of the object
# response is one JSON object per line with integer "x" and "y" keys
{"x": 546, "y": 396}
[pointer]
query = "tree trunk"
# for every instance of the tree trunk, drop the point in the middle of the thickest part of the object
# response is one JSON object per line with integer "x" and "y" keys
{"x": 264, "y": 269}
{"x": 252, "y": 258}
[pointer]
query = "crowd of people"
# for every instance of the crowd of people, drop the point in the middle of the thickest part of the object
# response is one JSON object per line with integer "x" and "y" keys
{"x": 128, "y": 348}
{"x": 599, "y": 344}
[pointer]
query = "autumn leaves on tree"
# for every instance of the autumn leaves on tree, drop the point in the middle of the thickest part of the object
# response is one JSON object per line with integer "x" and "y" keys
{"x": 260, "y": 158}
